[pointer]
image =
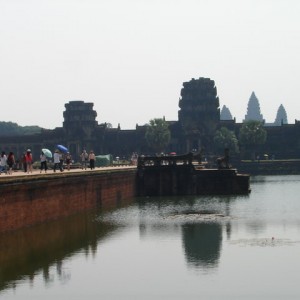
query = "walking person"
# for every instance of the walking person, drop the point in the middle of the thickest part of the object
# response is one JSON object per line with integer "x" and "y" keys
{"x": 61, "y": 162}
{"x": 56, "y": 160}
{"x": 43, "y": 159}
{"x": 3, "y": 162}
{"x": 23, "y": 162}
{"x": 10, "y": 162}
{"x": 68, "y": 160}
{"x": 28, "y": 158}
{"x": 84, "y": 159}
{"x": 92, "y": 159}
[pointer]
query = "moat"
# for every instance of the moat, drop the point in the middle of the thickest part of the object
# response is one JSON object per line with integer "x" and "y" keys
{"x": 229, "y": 247}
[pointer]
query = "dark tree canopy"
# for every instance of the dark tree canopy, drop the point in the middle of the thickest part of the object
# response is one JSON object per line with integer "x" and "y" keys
{"x": 158, "y": 134}
{"x": 252, "y": 133}
{"x": 13, "y": 129}
{"x": 224, "y": 138}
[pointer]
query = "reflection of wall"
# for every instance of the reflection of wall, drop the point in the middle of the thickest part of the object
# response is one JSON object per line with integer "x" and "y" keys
{"x": 26, "y": 252}
{"x": 202, "y": 243}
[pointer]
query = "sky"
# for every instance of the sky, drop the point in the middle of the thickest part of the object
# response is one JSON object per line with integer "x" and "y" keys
{"x": 131, "y": 57}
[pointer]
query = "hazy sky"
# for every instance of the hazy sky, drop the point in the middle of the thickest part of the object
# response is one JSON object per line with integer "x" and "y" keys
{"x": 130, "y": 57}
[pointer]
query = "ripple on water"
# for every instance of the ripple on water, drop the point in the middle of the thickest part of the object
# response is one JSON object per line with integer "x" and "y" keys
{"x": 264, "y": 242}
{"x": 198, "y": 217}
{"x": 130, "y": 217}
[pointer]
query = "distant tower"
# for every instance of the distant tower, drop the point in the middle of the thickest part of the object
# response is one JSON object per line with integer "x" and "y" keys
{"x": 79, "y": 119}
{"x": 281, "y": 117}
{"x": 253, "y": 110}
{"x": 199, "y": 112}
{"x": 225, "y": 113}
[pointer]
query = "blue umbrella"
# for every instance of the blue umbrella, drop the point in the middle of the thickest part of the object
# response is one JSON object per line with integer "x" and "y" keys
{"x": 47, "y": 152}
{"x": 62, "y": 148}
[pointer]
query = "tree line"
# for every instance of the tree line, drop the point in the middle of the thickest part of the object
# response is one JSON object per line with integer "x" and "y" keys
{"x": 251, "y": 135}
{"x": 13, "y": 129}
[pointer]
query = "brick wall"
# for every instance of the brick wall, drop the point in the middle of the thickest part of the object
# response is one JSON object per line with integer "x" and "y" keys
{"x": 35, "y": 199}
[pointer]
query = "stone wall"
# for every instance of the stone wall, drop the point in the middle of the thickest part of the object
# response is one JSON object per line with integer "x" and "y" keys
{"x": 270, "y": 167}
{"x": 175, "y": 180}
{"x": 30, "y": 200}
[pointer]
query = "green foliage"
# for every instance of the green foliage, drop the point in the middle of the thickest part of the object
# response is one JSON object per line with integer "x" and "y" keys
{"x": 158, "y": 134}
{"x": 252, "y": 133}
{"x": 13, "y": 129}
{"x": 225, "y": 138}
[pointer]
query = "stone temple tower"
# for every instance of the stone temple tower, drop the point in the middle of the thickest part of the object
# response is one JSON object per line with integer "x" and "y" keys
{"x": 199, "y": 113}
{"x": 79, "y": 119}
{"x": 253, "y": 110}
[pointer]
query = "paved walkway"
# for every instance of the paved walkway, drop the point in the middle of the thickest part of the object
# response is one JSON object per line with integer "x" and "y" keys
{"x": 35, "y": 172}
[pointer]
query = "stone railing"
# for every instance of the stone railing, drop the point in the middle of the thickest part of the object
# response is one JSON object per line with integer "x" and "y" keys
{"x": 146, "y": 161}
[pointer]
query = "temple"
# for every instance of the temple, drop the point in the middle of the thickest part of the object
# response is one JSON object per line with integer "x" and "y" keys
{"x": 198, "y": 120}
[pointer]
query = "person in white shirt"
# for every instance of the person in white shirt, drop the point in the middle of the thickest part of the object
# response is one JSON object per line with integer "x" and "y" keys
{"x": 84, "y": 159}
{"x": 92, "y": 160}
{"x": 3, "y": 162}
{"x": 56, "y": 160}
{"x": 43, "y": 159}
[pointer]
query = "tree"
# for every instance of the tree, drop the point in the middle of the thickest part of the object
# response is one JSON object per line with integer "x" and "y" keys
{"x": 13, "y": 129}
{"x": 158, "y": 134}
{"x": 225, "y": 138}
{"x": 251, "y": 135}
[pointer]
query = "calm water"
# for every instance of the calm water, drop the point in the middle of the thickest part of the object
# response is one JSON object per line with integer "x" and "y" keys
{"x": 239, "y": 247}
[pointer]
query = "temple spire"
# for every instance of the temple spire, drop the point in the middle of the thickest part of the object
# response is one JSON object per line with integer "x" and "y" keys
{"x": 281, "y": 117}
{"x": 253, "y": 109}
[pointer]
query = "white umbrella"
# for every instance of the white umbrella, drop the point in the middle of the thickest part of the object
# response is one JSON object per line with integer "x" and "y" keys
{"x": 47, "y": 152}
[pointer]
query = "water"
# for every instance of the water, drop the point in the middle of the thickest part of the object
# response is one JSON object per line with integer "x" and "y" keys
{"x": 233, "y": 247}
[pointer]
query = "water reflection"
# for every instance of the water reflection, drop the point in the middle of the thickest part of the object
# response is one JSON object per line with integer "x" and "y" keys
{"x": 202, "y": 244}
{"x": 200, "y": 220}
{"x": 173, "y": 248}
{"x": 26, "y": 253}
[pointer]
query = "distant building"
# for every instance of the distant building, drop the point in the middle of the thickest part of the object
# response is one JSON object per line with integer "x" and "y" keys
{"x": 281, "y": 117}
{"x": 253, "y": 110}
{"x": 225, "y": 113}
{"x": 198, "y": 119}
{"x": 199, "y": 113}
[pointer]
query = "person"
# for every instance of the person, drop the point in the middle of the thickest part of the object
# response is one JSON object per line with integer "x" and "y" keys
{"x": 92, "y": 159}
{"x": 10, "y": 162}
{"x": 23, "y": 162}
{"x": 28, "y": 158}
{"x": 61, "y": 161}
{"x": 3, "y": 162}
{"x": 56, "y": 160}
{"x": 84, "y": 159}
{"x": 68, "y": 160}
{"x": 43, "y": 159}
{"x": 223, "y": 162}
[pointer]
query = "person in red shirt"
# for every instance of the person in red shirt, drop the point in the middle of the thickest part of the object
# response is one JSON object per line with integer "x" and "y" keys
{"x": 28, "y": 158}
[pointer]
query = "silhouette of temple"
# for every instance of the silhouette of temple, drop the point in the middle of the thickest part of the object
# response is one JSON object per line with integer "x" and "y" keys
{"x": 225, "y": 113}
{"x": 253, "y": 110}
{"x": 198, "y": 120}
{"x": 281, "y": 116}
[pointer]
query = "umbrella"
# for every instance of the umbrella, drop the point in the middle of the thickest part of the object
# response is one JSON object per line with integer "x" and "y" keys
{"x": 62, "y": 148}
{"x": 47, "y": 152}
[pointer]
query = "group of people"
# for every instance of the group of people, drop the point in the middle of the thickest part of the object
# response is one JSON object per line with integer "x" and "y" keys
{"x": 87, "y": 159}
{"x": 8, "y": 161}
{"x": 58, "y": 161}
